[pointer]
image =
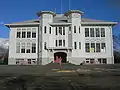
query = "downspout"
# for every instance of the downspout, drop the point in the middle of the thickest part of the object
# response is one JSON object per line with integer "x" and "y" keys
{"x": 38, "y": 45}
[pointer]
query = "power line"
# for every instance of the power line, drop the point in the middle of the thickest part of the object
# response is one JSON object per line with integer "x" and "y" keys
{"x": 61, "y": 6}
{"x": 69, "y": 4}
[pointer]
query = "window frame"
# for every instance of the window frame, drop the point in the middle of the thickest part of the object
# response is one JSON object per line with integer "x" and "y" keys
{"x": 60, "y": 42}
{"x": 23, "y": 34}
{"x": 97, "y": 32}
{"x": 28, "y": 34}
{"x": 102, "y": 32}
{"x": 87, "y": 47}
{"x": 33, "y": 48}
{"x": 92, "y": 32}
{"x": 34, "y": 34}
{"x": 87, "y": 32}
{"x": 98, "y": 49}
{"x": 18, "y": 34}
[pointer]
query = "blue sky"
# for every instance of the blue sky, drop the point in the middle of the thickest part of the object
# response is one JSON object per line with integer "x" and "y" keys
{"x": 20, "y": 10}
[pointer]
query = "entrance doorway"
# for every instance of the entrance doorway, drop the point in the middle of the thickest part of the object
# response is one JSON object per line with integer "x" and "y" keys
{"x": 62, "y": 55}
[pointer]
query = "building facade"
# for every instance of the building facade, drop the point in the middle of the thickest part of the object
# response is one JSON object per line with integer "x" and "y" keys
{"x": 67, "y": 36}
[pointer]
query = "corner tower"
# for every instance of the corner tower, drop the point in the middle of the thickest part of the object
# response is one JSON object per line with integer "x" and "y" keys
{"x": 75, "y": 37}
{"x": 46, "y": 17}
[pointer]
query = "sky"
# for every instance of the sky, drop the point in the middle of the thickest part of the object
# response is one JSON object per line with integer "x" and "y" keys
{"x": 21, "y": 10}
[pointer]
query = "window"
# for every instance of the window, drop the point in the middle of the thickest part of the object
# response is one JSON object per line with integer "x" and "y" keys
{"x": 92, "y": 61}
{"x": 29, "y": 61}
{"x": 99, "y": 60}
{"x": 56, "y": 43}
{"x": 18, "y": 34}
{"x": 74, "y": 29}
{"x": 102, "y": 32}
{"x": 87, "y": 61}
{"x": 45, "y": 29}
{"x": 56, "y": 31}
{"x": 27, "y": 50}
{"x": 19, "y": 61}
{"x": 64, "y": 43}
{"x": 79, "y": 45}
{"x": 97, "y": 47}
{"x": 33, "y": 47}
{"x": 87, "y": 47}
{"x": 63, "y": 30}
{"x": 97, "y": 32}
{"x": 86, "y": 32}
{"x": 75, "y": 45}
{"x": 69, "y": 28}
{"x": 50, "y": 30}
{"x": 79, "y": 29}
{"x": 28, "y": 47}
{"x": 23, "y": 34}
{"x": 60, "y": 30}
{"x": 60, "y": 42}
{"x": 45, "y": 45}
{"x": 104, "y": 60}
{"x": 33, "y": 34}
{"x": 103, "y": 47}
{"x": 92, "y": 49}
{"x": 33, "y": 61}
{"x": 29, "y": 34}
{"x": 91, "y": 32}
{"x": 17, "y": 47}
{"x": 23, "y": 48}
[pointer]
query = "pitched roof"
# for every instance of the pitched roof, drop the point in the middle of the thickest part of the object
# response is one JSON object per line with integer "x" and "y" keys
{"x": 59, "y": 18}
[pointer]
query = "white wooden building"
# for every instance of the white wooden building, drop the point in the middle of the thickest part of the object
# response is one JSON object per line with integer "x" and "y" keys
{"x": 69, "y": 36}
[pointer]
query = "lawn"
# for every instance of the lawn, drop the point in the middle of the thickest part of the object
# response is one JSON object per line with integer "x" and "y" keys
{"x": 49, "y": 77}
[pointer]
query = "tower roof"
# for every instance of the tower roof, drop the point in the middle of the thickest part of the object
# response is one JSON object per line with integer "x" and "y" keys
{"x": 73, "y": 11}
{"x": 45, "y": 12}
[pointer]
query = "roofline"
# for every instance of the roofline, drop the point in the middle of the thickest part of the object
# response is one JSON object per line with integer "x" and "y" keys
{"x": 20, "y": 24}
{"x": 109, "y": 23}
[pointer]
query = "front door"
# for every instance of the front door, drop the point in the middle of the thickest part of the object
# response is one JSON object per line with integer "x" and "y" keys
{"x": 60, "y": 55}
